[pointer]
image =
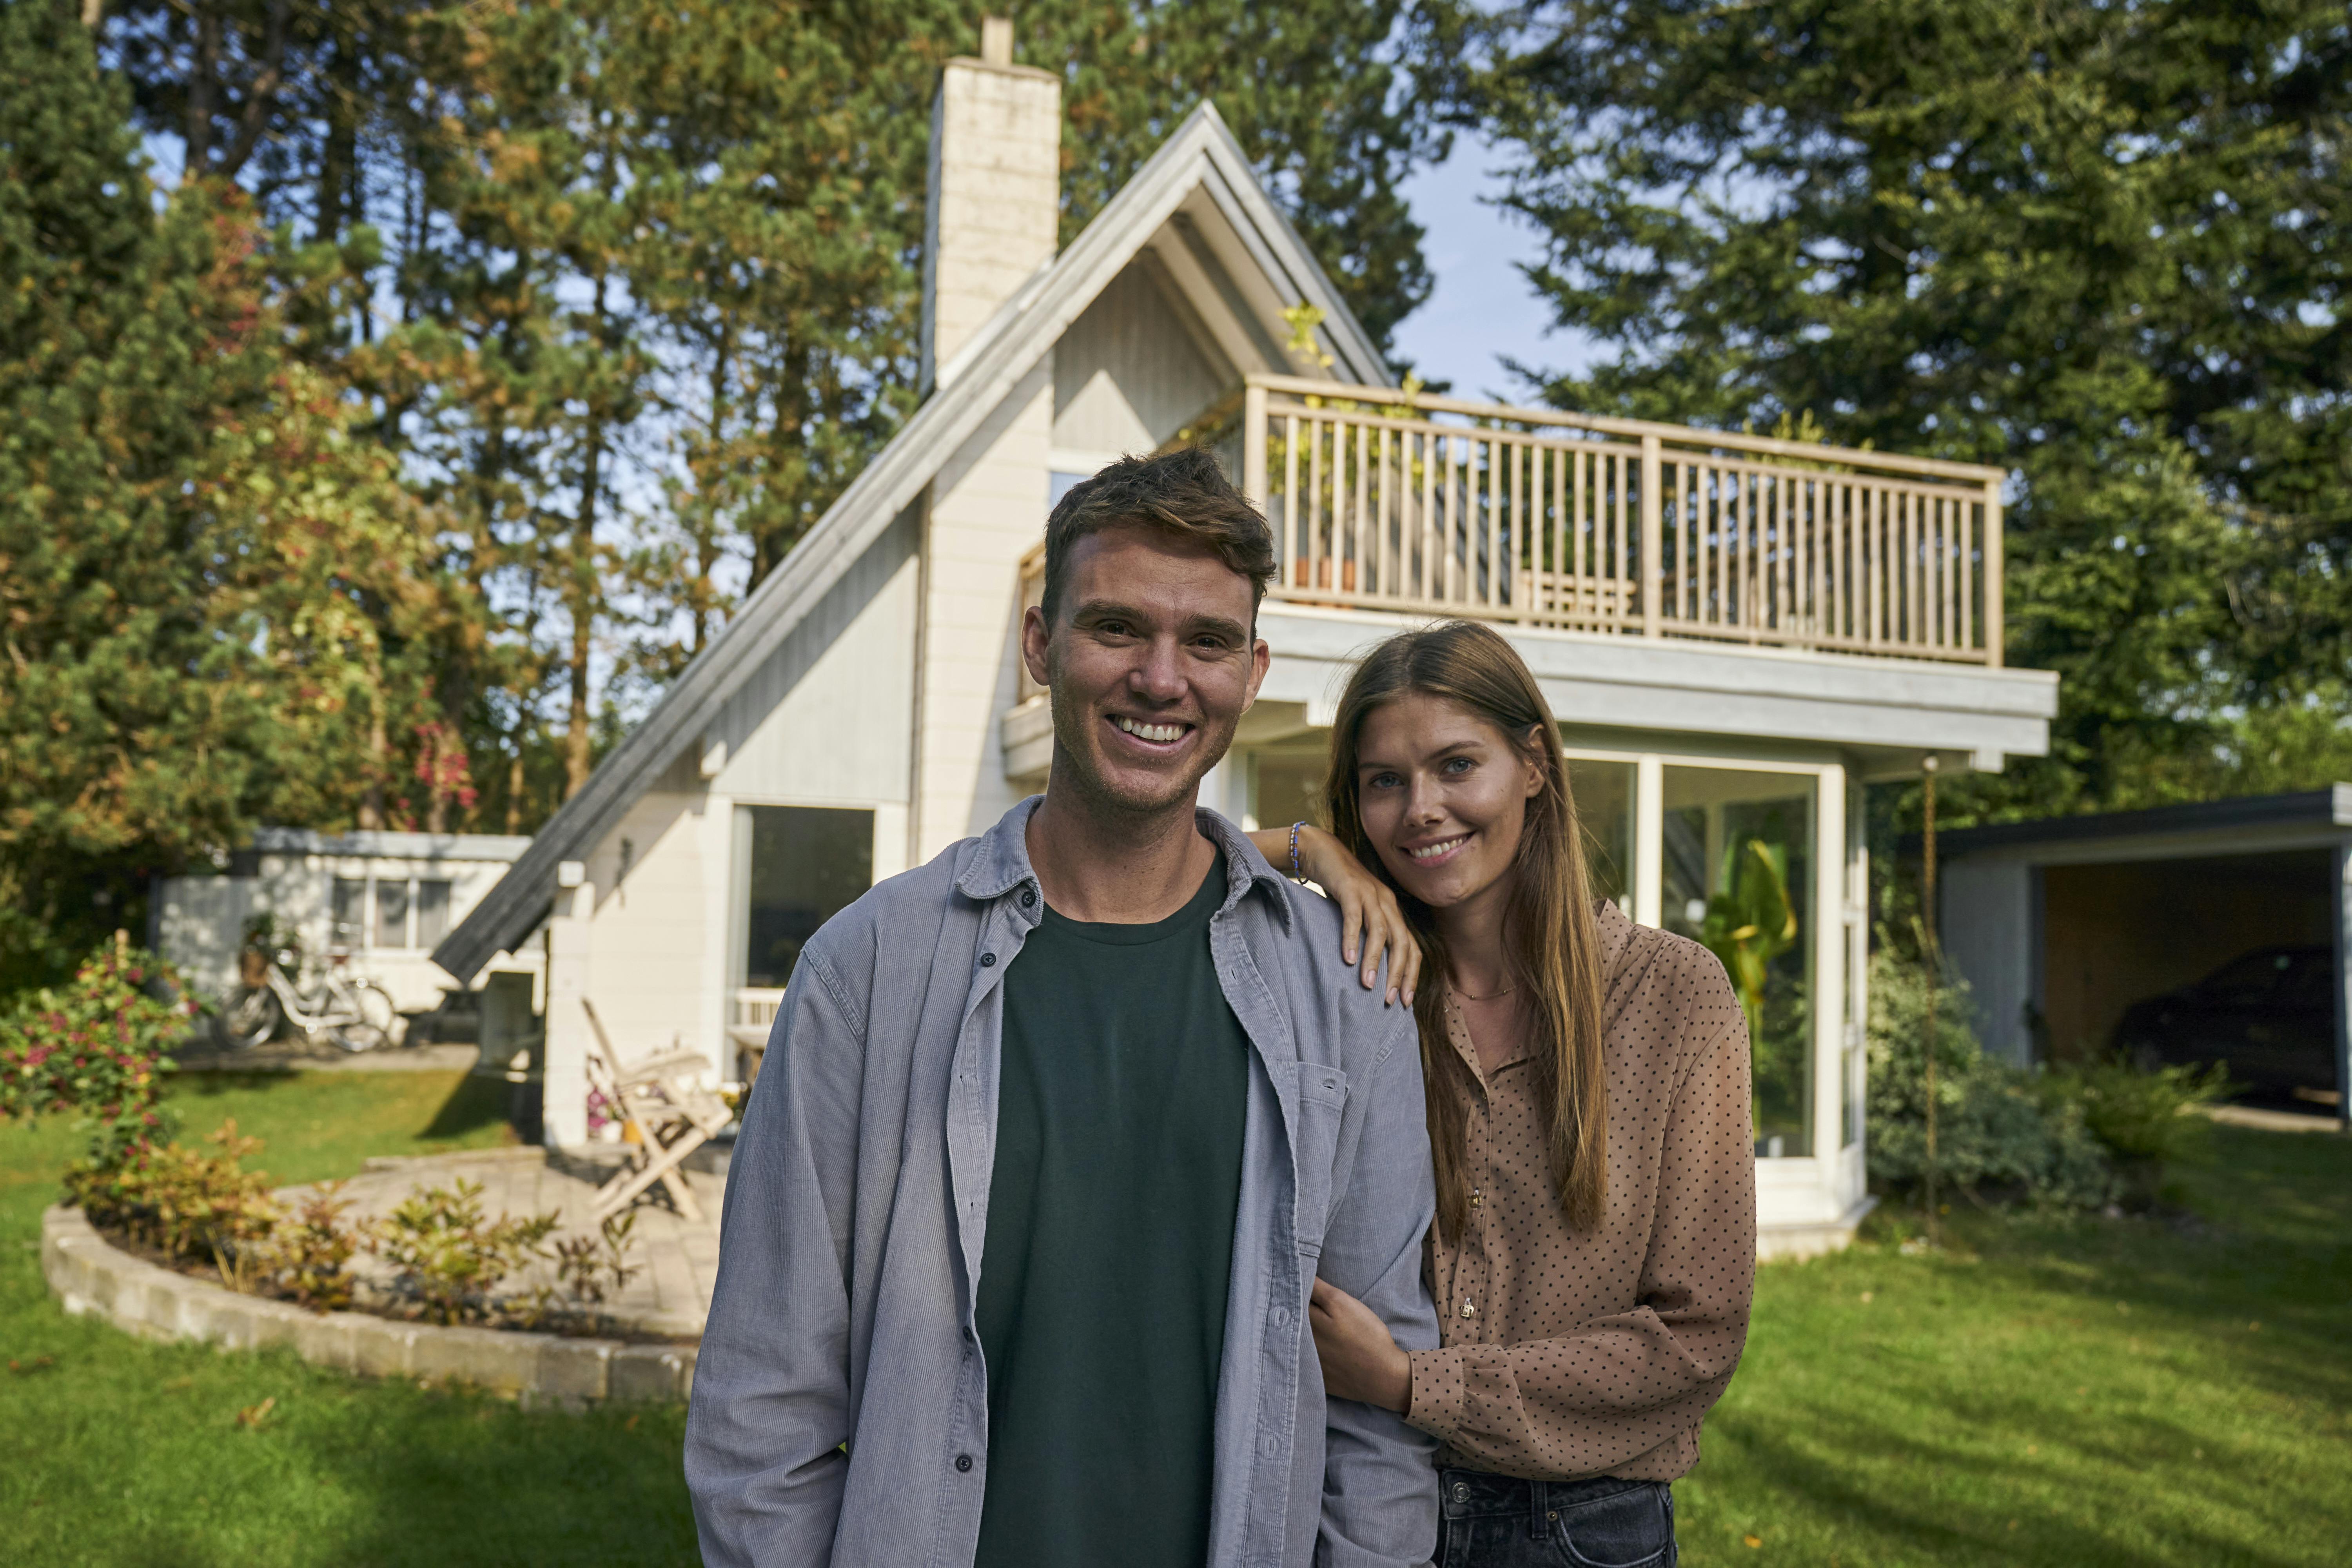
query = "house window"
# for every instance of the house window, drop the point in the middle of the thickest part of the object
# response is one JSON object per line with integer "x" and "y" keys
{"x": 350, "y": 913}
{"x": 391, "y": 914}
{"x": 808, "y": 863}
{"x": 432, "y": 913}
{"x": 1604, "y": 806}
{"x": 1738, "y": 876}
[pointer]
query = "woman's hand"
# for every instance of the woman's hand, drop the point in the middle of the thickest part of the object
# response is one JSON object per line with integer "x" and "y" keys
{"x": 1360, "y": 1358}
{"x": 1369, "y": 920}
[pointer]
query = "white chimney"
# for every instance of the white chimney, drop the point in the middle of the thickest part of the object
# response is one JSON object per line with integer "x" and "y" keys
{"x": 994, "y": 202}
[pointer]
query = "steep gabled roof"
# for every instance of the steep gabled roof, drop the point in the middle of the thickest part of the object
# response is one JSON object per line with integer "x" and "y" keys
{"x": 1201, "y": 155}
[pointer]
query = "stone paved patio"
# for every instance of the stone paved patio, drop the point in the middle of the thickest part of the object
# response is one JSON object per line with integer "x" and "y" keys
{"x": 679, "y": 1259}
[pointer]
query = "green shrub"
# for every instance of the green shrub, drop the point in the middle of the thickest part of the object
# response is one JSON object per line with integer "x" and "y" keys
{"x": 450, "y": 1257}
{"x": 1998, "y": 1133}
{"x": 589, "y": 1265}
{"x": 95, "y": 1048}
{"x": 186, "y": 1204}
{"x": 2141, "y": 1117}
{"x": 306, "y": 1257}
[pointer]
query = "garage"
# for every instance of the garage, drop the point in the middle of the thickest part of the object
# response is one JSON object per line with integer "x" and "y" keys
{"x": 2214, "y": 932}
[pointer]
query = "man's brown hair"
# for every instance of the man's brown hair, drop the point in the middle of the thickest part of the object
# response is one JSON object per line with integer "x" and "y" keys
{"x": 1183, "y": 493}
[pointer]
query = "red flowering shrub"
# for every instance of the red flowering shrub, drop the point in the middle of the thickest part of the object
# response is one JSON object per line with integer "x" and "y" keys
{"x": 94, "y": 1049}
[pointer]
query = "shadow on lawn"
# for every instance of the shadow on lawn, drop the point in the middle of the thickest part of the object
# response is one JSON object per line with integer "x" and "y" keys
{"x": 473, "y": 1103}
{"x": 1900, "y": 1505}
{"x": 459, "y": 1480}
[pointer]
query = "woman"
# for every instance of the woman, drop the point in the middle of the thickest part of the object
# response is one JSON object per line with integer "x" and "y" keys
{"x": 1587, "y": 1079}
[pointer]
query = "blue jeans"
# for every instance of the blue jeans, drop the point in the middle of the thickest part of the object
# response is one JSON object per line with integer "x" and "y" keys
{"x": 1500, "y": 1521}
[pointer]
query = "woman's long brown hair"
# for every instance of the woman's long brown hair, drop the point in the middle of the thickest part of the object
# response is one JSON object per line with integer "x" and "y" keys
{"x": 1550, "y": 940}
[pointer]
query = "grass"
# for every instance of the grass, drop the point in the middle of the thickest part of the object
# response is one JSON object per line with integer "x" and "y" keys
{"x": 2047, "y": 1391}
{"x": 115, "y": 1451}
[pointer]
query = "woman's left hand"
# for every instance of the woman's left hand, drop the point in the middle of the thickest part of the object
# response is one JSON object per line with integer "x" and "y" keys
{"x": 1360, "y": 1358}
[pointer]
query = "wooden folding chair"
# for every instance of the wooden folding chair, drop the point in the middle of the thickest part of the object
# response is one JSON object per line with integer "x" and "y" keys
{"x": 662, "y": 1098}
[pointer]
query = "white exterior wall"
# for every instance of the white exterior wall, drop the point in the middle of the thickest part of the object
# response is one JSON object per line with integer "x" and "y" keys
{"x": 1132, "y": 370}
{"x": 987, "y": 510}
{"x": 646, "y": 937}
{"x": 828, "y": 720}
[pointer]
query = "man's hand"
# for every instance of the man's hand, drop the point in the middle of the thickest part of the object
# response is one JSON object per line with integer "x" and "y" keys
{"x": 1360, "y": 1360}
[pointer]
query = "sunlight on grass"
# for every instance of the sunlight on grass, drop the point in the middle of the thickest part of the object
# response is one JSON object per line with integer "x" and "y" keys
{"x": 2053, "y": 1390}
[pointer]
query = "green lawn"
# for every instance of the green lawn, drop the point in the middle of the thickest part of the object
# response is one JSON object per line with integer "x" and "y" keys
{"x": 2052, "y": 1391}
{"x": 2100, "y": 1382}
{"x": 117, "y": 1452}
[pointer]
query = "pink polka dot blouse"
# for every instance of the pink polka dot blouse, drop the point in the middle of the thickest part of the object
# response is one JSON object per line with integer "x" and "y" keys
{"x": 1566, "y": 1352}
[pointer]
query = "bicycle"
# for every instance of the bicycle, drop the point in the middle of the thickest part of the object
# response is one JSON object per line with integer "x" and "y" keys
{"x": 354, "y": 1014}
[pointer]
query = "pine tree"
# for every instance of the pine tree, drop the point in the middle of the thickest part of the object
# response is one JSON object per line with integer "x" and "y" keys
{"x": 204, "y": 579}
{"x": 2102, "y": 245}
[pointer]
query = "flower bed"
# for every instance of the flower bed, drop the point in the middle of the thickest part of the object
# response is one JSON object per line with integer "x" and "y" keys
{"x": 89, "y": 1274}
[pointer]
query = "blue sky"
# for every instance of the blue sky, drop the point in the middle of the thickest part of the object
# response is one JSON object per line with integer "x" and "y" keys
{"x": 1483, "y": 308}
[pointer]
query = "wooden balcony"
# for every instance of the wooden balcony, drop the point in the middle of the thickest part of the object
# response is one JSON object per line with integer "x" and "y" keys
{"x": 1428, "y": 506}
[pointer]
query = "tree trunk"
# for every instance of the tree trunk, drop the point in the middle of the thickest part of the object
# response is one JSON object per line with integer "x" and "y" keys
{"x": 371, "y": 799}
{"x": 514, "y": 787}
{"x": 205, "y": 70}
{"x": 583, "y": 584}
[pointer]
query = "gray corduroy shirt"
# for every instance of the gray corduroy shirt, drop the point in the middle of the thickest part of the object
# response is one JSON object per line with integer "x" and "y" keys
{"x": 840, "y": 1407}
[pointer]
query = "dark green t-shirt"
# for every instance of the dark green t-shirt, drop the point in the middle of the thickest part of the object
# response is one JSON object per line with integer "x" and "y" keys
{"x": 1110, "y": 1235}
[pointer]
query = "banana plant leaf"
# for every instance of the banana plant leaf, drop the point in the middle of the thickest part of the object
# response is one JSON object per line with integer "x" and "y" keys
{"x": 1751, "y": 922}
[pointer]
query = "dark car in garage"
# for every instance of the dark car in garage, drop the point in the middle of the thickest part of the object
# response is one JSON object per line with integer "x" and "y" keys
{"x": 2268, "y": 1016}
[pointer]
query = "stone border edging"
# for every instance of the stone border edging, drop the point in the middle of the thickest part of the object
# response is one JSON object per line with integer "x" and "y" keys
{"x": 88, "y": 1274}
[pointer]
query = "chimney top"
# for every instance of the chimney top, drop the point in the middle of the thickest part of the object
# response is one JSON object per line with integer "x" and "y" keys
{"x": 996, "y": 40}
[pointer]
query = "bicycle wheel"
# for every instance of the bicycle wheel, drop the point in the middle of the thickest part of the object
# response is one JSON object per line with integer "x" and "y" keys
{"x": 252, "y": 1016}
{"x": 368, "y": 1017}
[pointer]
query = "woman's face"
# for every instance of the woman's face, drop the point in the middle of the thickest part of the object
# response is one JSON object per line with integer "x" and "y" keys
{"x": 1443, "y": 796}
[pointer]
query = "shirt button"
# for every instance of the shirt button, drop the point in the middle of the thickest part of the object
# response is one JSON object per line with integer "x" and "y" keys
{"x": 963, "y": 1461}
{"x": 988, "y": 960}
{"x": 1468, "y": 1309}
{"x": 1281, "y": 1316}
{"x": 1474, "y": 1198}
{"x": 1028, "y": 897}
{"x": 1266, "y": 1446}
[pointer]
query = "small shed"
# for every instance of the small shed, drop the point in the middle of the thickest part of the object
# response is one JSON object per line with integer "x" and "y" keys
{"x": 378, "y": 903}
{"x": 2063, "y": 926}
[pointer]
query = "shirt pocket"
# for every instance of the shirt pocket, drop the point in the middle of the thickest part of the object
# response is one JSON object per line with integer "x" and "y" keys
{"x": 1322, "y": 1097}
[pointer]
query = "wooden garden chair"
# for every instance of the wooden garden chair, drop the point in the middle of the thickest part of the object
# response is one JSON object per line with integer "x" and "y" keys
{"x": 662, "y": 1100}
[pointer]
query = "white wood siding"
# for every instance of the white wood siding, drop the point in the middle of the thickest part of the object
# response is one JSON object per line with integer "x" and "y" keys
{"x": 1132, "y": 370}
{"x": 829, "y": 718}
{"x": 649, "y": 932}
{"x": 987, "y": 508}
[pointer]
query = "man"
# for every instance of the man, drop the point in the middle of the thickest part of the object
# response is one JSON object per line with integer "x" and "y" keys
{"x": 1055, "y": 1135}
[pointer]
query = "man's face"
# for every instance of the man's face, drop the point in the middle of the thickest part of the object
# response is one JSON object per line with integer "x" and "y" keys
{"x": 1151, "y": 666}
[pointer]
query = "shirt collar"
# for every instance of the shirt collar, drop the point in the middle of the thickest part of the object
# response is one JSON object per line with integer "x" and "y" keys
{"x": 1002, "y": 863}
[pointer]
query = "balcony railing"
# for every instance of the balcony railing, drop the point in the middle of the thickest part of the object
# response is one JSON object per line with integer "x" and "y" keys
{"x": 1424, "y": 505}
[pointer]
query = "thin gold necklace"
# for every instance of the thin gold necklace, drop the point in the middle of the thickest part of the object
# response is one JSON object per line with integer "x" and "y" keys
{"x": 1506, "y": 991}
